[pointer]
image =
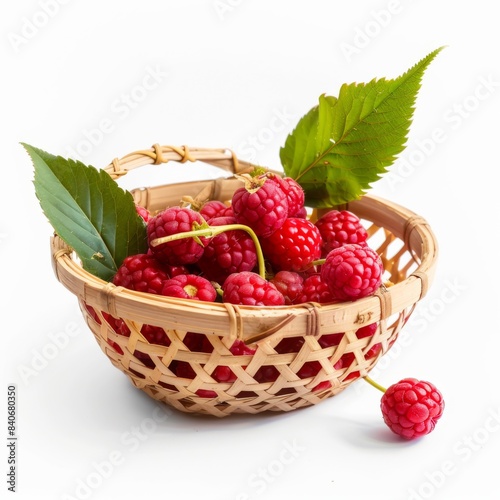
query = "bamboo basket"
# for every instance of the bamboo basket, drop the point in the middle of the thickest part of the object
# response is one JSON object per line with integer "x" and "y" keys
{"x": 403, "y": 239}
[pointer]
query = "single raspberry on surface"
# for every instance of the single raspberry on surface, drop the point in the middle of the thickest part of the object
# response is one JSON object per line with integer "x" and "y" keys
{"x": 248, "y": 288}
{"x": 340, "y": 227}
{"x": 189, "y": 286}
{"x": 294, "y": 246}
{"x": 230, "y": 252}
{"x": 142, "y": 273}
{"x": 260, "y": 204}
{"x": 411, "y": 407}
{"x": 172, "y": 221}
{"x": 352, "y": 272}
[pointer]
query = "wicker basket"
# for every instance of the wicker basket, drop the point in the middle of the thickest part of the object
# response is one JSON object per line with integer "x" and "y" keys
{"x": 403, "y": 239}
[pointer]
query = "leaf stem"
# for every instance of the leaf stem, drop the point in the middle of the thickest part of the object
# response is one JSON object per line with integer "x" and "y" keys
{"x": 212, "y": 231}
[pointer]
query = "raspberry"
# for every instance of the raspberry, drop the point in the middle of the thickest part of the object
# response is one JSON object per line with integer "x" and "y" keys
{"x": 290, "y": 284}
{"x": 197, "y": 342}
{"x": 369, "y": 331}
{"x": 302, "y": 213}
{"x": 295, "y": 196}
{"x": 339, "y": 228}
{"x": 411, "y": 407}
{"x": 266, "y": 373}
{"x": 314, "y": 289}
{"x": 294, "y": 246}
{"x": 261, "y": 205}
{"x": 224, "y": 373}
{"x": 229, "y": 252}
{"x": 153, "y": 334}
{"x": 172, "y": 221}
{"x": 143, "y": 212}
{"x": 330, "y": 339}
{"x": 141, "y": 272}
{"x": 205, "y": 393}
{"x": 174, "y": 271}
{"x": 347, "y": 359}
{"x": 352, "y": 272}
{"x": 239, "y": 348}
{"x": 215, "y": 208}
{"x": 189, "y": 286}
{"x": 289, "y": 344}
{"x": 310, "y": 368}
{"x": 294, "y": 193}
{"x": 184, "y": 370}
{"x": 248, "y": 288}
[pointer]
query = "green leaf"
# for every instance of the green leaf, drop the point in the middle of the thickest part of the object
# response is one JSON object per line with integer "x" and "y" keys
{"x": 89, "y": 211}
{"x": 343, "y": 145}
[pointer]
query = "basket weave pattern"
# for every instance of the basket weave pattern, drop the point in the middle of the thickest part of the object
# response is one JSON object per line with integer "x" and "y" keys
{"x": 403, "y": 239}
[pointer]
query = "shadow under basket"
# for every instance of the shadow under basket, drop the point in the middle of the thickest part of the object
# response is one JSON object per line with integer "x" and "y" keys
{"x": 291, "y": 356}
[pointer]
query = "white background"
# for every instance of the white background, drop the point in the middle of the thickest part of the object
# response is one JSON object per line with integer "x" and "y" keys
{"x": 239, "y": 74}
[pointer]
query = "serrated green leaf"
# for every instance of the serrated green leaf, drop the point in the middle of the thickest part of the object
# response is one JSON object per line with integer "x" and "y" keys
{"x": 89, "y": 211}
{"x": 343, "y": 145}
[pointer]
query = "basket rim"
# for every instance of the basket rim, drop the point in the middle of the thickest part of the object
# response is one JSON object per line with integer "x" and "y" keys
{"x": 251, "y": 323}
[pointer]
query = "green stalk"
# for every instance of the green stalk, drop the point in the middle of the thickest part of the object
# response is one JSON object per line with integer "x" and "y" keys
{"x": 374, "y": 384}
{"x": 318, "y": 262}
{"x": 212, "y": 231}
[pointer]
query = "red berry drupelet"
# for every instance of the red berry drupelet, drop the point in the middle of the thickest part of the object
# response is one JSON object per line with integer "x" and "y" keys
{"x": 229, "y": 252}
{"x": 352, "y": 272}
{"x": 143, "y": 212}
{"x": 172, "y": 221}
{"x": 314, "y": 289}
{"x": 290, "y": 284}
{"x": 261, "y": 204}
{"x": 142, "y": 273}
{"x": 224, "y": 373}
{"x": 411, "y": 407}
{"x": 339, "y": 228}
{"x": 215, "y": 208}
{"x": 294, "y": 246}
{"x": 294, "y": 193}
{"x": 250, "y": 289}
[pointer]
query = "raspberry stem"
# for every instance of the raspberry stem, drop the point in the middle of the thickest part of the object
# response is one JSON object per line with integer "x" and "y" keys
{"x": 212, "y": 231}
{"x": 374, "y": 384}
{"x": 318, "y": 262}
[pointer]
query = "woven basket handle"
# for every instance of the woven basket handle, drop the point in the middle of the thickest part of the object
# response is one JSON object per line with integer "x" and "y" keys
{"x": 224, "y": 159}
{"x": 157, "y": 197}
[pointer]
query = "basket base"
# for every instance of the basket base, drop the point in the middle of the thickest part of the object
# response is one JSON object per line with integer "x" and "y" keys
{"x": 279, "y": 388}
{"x": 241, "y": 405}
